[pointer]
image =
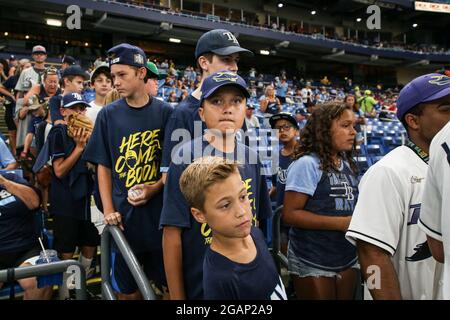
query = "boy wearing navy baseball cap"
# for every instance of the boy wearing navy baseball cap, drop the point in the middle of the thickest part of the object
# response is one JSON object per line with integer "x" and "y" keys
{"x": 126, "y": 145}
{"x": 223, "y": 105}
{"x": 71, "y": 188}
{"x": 384, "y": 224}
{"x": 288, "y": 132}
{"x": 216, "y": 50}
{"x": 72, "y": 82}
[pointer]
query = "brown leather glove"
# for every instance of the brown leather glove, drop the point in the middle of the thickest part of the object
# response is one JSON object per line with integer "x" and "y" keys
{"x": 77, "y": 121}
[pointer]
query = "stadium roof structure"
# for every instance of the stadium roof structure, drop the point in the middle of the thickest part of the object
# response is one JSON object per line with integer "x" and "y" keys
{"x": 159, "y": 24}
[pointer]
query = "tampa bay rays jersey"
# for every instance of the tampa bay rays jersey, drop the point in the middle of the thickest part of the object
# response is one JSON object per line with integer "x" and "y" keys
{"x": 386, "y": 215}
{"x": 435, "y": 214}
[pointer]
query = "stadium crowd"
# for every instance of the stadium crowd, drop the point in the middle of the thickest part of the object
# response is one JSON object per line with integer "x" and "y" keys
{"x": 196, "y": 211}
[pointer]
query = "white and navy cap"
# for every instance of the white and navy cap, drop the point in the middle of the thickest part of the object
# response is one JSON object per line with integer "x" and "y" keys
{"x": 38, "y": 49}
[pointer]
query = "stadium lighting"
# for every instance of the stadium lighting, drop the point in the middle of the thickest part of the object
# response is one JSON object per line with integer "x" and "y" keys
{"x": 86, "y": 44}
{"x": 280, "y": 5}
{"x": 313, "y": 12}
{"x": 67, "y": 42}
{"x": 415, "y": 25}
{"x": 264, "y": 52}
{"x": 54, "y": 22}
{"x": 27, "y": 37}
{"x": 174, "y": 40}
{"x": 6, "y": 34}
{"x": 358, "y": 19}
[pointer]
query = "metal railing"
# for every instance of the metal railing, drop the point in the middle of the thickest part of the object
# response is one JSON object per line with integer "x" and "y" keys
{"x": 130, "y": 259}
{"x": 44, "y": 269}
{"x": 278, "y": 256}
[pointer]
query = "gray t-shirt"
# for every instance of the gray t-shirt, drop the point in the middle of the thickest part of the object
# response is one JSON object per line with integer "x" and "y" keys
{"x": 27, "y": 79}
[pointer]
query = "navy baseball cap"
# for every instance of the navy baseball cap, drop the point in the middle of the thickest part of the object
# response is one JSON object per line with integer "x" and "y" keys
{"x": 219, "y": 41}
{"x": 429, "y": 87}
{"x": 220, "y": 79}
{"x": 68, "y": 59}
{"x": 128, "y": 54}
{"x": 285, "y": 116}
{"x": 72, "y": 99}
{"x": 74, "y": 70}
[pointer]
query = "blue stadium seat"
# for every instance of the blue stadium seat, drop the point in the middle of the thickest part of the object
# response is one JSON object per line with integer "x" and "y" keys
{"x": 372, "y": 150}
{"x": 362, "y": 163}
{"x": 390, "y": 143}
{"x": 374, "y": 159}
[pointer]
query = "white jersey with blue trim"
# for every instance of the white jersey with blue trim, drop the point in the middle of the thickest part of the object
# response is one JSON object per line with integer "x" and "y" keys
{"x": 435, "y": 214}
{"x": 386, "y": 215}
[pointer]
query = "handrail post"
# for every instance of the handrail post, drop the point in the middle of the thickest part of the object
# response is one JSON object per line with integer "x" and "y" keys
{"x": 280, "y": 258}
{"x": 47, "y": 269}
{"x": 130, "y": 260}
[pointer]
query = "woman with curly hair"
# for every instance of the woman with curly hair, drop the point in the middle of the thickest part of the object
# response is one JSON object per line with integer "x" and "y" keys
{"x": 321, "y": 191}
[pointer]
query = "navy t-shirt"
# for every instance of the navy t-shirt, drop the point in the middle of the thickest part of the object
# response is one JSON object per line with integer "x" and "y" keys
{"x": 280, "y": 178}
{"x": 184, "y": 116}
{"x": 331, "y": 193}
{"x": 224, "y": 279}
{"x": 129, "y": 141}
{"x": 176, "y": 212}
{"x": 70, "y": 195}
{"x": 53, "y": 105}
{"x": 17, "y": 223}
{"x": 34, "y": 123}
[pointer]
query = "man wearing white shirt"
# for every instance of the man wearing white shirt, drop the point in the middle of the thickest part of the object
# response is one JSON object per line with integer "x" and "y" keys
{"x": 391, "y": 247}
{"x": 435, "y": 214}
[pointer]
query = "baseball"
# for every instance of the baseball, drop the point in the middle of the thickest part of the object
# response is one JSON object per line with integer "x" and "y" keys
{"x": 133, "y": 194}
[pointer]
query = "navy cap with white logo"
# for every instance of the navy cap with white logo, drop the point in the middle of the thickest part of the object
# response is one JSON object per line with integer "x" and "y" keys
{"x": 127, "y": 54}
{"x": 72, "y": 99}
{"x": 219, "y": 41}
{"x": 220, "y": 79}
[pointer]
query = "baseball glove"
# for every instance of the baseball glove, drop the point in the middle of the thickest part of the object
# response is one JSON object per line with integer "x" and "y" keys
{"x": 77, "y": 121}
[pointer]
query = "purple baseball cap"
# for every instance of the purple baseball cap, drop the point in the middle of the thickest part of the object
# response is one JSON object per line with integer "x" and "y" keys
{"x": 425, "y": 88}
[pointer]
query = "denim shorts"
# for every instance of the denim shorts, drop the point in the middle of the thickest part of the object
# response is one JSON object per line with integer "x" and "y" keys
{"x": 300, "y": 269}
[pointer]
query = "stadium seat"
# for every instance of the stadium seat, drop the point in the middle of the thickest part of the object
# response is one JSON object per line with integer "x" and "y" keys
{"x": 362, "y": 163}
{"x": 372, "y": 150}
{"x": 374, "y": 159}
{"x": 390, "y": 143}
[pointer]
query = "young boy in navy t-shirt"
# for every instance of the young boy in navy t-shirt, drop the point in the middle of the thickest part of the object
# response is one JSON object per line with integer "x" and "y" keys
{"x": 237, "y": 258}
{"x": 216, "y": 50}
{"x": 126, "y": 144}
{"x": 185, "y": 241}
{"x": 71, "y": 187}
{"x": 287, "y": 131}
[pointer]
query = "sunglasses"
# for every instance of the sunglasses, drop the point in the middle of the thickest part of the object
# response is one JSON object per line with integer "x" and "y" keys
{"x": 283, "y": 127}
